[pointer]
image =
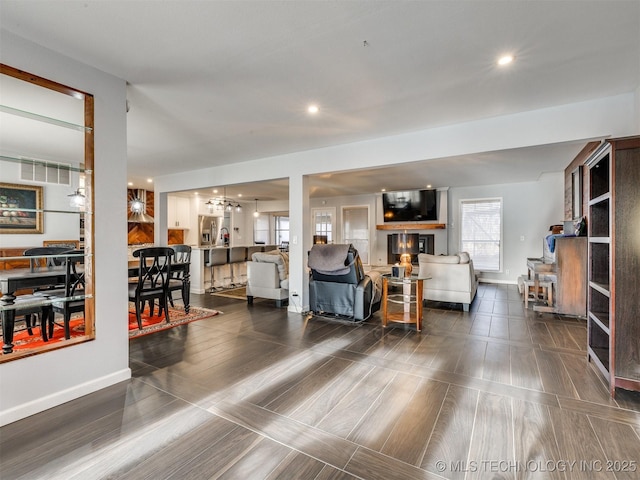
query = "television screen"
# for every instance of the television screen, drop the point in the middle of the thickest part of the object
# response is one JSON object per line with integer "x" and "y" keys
{"x": 410, "y": 206}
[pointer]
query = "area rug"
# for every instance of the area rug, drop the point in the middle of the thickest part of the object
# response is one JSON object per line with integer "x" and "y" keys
{"x": 23, "y": 341}
{"x": 150, "y": 324}
{"x": 237, "y": 293}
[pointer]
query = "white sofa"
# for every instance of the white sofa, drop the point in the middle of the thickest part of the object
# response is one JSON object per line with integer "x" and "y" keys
{"x": 268, "y": 277}
{"x": 453, "y": 278}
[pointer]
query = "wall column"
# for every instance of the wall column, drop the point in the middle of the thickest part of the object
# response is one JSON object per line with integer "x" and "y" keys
{"x": 300, "y": 240}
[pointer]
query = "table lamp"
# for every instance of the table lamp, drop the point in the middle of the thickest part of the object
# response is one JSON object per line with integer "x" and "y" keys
{"x": 405, "y": 245}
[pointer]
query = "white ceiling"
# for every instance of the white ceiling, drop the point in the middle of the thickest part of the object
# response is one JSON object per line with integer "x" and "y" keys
{"x": 213, "y": 83}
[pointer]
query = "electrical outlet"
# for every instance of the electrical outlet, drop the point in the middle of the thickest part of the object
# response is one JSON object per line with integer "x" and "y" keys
{"x": 507, "y": 271}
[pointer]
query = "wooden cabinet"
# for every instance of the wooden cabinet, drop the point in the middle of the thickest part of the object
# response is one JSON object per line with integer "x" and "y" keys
{"x": 178, "y": 213}
{"x": 571, "y": 271}
{"x": 614, "y": 262}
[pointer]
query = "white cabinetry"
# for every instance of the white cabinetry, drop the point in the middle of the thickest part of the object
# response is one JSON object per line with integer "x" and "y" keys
{"x": 178, "y": 213}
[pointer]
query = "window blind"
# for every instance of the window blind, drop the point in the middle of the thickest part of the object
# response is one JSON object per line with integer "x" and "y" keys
{"x": 481, "y": 231}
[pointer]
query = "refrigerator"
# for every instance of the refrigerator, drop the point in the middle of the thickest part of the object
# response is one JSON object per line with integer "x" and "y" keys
{"x": 207, "y": 230}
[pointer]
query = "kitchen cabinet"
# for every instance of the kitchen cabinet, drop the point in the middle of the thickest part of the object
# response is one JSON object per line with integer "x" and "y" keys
{"x": 178, "y": 213}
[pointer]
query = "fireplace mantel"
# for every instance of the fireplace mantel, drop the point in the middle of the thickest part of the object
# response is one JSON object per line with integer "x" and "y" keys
{"x": 411, "y": 226}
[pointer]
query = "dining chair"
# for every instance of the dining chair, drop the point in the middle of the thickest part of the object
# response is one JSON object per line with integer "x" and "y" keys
{"x": 44, "y": 256}
{"x": 29, "y": 305}
{"x": 41, "y": 257}
{"x": 73, "y": 299}
{"x": 179, "y": 278}
{"x": 153, "y": 280}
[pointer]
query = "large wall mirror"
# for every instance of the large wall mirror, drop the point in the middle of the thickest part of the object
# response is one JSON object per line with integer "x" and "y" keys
{"x": 46, "y": 215}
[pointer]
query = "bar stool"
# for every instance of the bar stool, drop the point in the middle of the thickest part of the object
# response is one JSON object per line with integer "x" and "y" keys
{"x": 236, "y": 255}
{"x": 545, "y": 286}
{"x": 217, "y": 256}
{"x": 254, "y": 249}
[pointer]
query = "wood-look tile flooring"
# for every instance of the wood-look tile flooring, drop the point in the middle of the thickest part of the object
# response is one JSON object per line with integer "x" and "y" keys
{"x": 260, "y": 393}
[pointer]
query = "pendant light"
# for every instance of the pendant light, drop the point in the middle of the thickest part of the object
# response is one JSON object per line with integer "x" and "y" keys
{"x": 137, "y": 205}
{"x": 238, "y": 208}
{"x": 77, "y": 199}
{"x": 256, "y": 213}
{"x": 210, "y": 205}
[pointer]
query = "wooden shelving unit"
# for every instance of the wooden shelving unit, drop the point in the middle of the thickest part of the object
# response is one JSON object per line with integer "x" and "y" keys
{"x": 614, "y": 262}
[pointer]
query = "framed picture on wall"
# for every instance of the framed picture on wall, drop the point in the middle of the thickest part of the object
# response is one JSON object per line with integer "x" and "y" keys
{"x": 21, "y": 208}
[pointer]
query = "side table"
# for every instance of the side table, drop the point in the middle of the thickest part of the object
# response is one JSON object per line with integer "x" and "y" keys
{"x": 410, "y": 300}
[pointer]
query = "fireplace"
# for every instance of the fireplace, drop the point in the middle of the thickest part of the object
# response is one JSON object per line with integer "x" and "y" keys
{"x": 426, "y": 244}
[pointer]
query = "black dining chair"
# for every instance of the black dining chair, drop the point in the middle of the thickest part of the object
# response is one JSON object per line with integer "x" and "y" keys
{"x": 45, "y": 256}
{"x": 154, "y": 272}
{"x": 42, "y": 257}
{"x": 30, "y": 305}
{"x": 74, "y": 289}
{"x": 179, "y": 279}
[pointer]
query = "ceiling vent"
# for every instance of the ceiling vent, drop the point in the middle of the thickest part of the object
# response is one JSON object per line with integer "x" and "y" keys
{"x": 138, "y": 208}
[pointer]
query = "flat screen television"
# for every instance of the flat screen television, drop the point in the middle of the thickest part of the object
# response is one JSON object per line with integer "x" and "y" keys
{"x": 409, "y": 206}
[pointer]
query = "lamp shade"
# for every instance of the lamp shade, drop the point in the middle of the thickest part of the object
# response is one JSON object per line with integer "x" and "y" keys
{"x": 406, "y": 243}
{"x": 319, "y": 239}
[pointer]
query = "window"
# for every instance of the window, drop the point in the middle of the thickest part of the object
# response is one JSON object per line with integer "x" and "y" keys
{"x": 323, "y": 222}
{"x": 281, "y": 229}
{"x": 261, "y": 230}
{"x": 481, "y": 232}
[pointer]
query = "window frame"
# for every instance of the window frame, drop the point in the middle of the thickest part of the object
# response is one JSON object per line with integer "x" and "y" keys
{"x": 461, "y": 240}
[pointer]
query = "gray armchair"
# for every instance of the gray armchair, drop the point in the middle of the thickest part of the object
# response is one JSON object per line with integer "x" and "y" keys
{"x": 338, "y": 285}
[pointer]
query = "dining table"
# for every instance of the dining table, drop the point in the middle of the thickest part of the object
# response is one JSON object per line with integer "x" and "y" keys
{"x": 14, "y": 280}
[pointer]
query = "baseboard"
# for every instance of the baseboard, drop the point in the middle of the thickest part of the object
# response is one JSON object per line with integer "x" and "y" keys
{"x": 501, "y": 282}
{"x": 199, "y": 291}
{"x": 41, "y": 404}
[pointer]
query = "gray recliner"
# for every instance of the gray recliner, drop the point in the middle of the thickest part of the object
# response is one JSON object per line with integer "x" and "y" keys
{"x": 346, "y": 292}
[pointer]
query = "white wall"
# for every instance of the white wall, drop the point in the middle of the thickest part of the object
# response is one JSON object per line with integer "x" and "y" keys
{"x": 528, "y": 211}
{"x": 33, "y": 384}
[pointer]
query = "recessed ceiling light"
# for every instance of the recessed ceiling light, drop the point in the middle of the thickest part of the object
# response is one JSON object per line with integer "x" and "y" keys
{"x": 150, "y": 180}
{"x": 130, "y": 184}
{"x": 313, "y": 109}
{"x": 384, "y": 189}
{"x": 215, "y": 190}
{"x": 428, "y": 186}
{"x": 239, "y": 194}
{"x": 505, "y": 60}
{"x": 196, "y": 193}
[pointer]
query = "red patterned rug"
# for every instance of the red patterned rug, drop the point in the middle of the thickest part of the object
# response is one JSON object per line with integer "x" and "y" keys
{"x": 150, "y": 324}
{"x": 176, "y": 317}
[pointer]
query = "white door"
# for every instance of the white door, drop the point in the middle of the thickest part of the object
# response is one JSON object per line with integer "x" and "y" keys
{"x": 355, "y": 229}
{"x": 323, "y": 222}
